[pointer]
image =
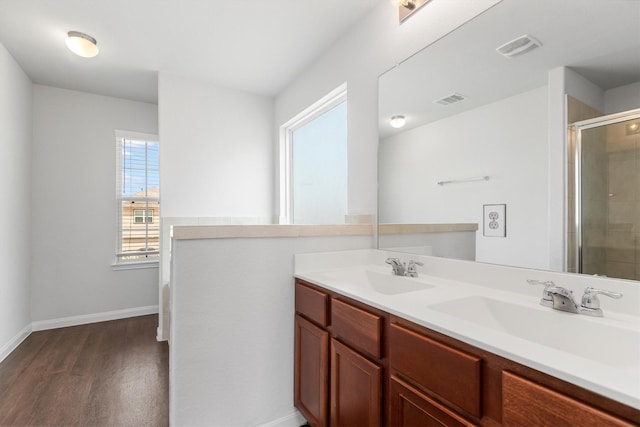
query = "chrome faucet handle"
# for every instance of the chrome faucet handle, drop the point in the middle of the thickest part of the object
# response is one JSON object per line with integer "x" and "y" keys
{"x": 412, "y": 271}
{"x": 547, "y": 299}
{"x": 590, "y": 302}
{"x": 397, "y": 265}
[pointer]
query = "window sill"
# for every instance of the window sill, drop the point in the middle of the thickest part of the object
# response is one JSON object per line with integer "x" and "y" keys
{"x": 135, "y": 265}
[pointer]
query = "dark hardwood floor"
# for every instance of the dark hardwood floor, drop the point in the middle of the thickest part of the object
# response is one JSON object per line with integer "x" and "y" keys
{"x": 103, "y": 374}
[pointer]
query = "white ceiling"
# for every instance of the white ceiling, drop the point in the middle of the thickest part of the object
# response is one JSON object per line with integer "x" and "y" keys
{"x": 600, "y": 39}
{"x": 253, "y": 45}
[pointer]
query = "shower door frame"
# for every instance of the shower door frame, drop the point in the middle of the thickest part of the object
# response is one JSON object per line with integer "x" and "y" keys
{"x": 576, "y": 130}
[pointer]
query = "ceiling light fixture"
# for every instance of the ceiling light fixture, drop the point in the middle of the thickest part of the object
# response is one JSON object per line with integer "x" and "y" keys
{"x": 633, "y": 128}
{"x": 82, "y": 44}
{"x": 407, "y": 7}
{"x": 397, "y": 122}
{"x": 409, "y": 4}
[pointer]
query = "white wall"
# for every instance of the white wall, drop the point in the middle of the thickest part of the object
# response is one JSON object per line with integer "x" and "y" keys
{"x": 216, "y": 160}
{"x": 216, "y": 153}
{"x": 584, "y": 90}
{"x": 232, "y": 302}
{"x": 372, "y": 47}
{"x": 622, "y": 98}
{"x": 73, "y": 201}
{"x": 15, "y": 145}
{"x": 514, "y": 155}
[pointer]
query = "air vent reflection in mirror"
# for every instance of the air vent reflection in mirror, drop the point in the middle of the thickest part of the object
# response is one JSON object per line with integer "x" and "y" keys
{"x": 450, "y": 99}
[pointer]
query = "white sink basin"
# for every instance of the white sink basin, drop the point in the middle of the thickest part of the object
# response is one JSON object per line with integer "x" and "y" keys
{"x": 571, "y": 333}
{"x": 384, "y": 283}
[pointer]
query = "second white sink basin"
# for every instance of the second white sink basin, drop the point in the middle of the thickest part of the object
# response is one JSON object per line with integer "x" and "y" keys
{"x": 571, "y": 333}
{"x": 384, "y": 283}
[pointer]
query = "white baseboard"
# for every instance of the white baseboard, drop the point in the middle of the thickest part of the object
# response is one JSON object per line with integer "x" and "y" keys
{"x": 14, "y": 342}
{"x": 295, "y": 419}
{"x": 160, "y": 335}
{"x": 42, "y": 325}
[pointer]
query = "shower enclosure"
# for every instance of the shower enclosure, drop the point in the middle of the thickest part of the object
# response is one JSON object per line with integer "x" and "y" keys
{"x": 605, "y": 207}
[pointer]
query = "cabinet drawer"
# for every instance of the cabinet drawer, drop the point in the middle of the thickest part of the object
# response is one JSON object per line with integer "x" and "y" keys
{"x": 410, "y": 407}
{"x": 527, "y": 403}
{"x": 449, "y": 373}
{"x": 313, "y": 304}
{"x": 359, "y": 328}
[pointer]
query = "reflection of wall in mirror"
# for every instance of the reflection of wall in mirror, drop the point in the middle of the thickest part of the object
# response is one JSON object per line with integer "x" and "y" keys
{"x": 515, "y": 155}
{"x": 456, "y": 241}
{"x": 468, "y": 145}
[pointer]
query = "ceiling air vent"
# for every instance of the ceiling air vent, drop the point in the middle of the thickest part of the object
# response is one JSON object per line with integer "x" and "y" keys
{"x": 450, "y": 99}
{"x": 519, "y": 46}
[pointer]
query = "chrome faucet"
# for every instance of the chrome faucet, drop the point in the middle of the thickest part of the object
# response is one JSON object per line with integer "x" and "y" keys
{"x": 400, "y": 268}
{"x": 397, "y": 266}
{"x": 412, "y": 271}
{"x": 591, "y": 303}
{"x": 560, "y": 298}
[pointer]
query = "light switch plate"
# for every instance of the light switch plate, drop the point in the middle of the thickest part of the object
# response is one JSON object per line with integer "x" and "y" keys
{"x": 495, "y": 220}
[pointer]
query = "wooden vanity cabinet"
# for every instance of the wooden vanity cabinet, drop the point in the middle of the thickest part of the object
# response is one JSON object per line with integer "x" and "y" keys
{"x": 311, "y": 376}
{"x": 444, "y": 380}
{"x": 356, "y": 388}
{"x": 339, "y": 373}
{"x": 311, "y": 355}
{"x": 526, "y": 403}
{"x": 409, "y": 407}
{"x": 356, "y": 365}
{"x": 359, "y": 366}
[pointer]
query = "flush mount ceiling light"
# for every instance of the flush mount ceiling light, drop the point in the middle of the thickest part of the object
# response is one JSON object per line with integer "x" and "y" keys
{"x": 407, "y": 7}
{"x": 397, "y": 122}
{"x": 82, "y": 44}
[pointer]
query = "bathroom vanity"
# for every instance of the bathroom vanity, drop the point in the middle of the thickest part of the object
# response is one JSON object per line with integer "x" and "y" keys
{"x": 375, "y": 349}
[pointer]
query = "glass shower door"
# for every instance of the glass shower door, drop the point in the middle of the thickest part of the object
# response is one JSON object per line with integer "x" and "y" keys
{"x": 608, "y": 195}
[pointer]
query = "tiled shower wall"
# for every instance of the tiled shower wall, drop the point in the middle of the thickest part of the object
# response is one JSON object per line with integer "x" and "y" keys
{"x": 623, "y": 228}
{"x": 595, "y": 183}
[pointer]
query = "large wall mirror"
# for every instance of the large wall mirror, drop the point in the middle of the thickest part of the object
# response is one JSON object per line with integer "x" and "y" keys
{"x": 469, "y": 175}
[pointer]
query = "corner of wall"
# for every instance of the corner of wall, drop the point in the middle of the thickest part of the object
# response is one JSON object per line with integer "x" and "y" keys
{"x": 16, "y": 112}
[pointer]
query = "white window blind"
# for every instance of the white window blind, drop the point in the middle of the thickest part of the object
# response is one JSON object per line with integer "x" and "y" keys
{"x": 138, "y": 194}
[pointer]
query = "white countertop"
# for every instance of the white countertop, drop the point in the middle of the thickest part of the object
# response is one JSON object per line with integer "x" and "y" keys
{"x": 598, "y": 354}
{"x": 195, "y": 232}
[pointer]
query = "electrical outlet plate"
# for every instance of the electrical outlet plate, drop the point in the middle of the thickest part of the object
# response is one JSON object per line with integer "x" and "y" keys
{"x": 495, "y": 220}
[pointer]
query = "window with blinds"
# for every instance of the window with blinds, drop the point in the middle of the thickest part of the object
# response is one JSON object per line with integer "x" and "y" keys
{"x": 138, "y": 193}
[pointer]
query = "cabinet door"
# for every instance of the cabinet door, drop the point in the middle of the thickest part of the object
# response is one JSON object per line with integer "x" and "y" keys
{"x": 526, "y": 403}
{"x": 311, "y": 362}
{"x": 356, "y": 389}
{"x": 408, "y": 407}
